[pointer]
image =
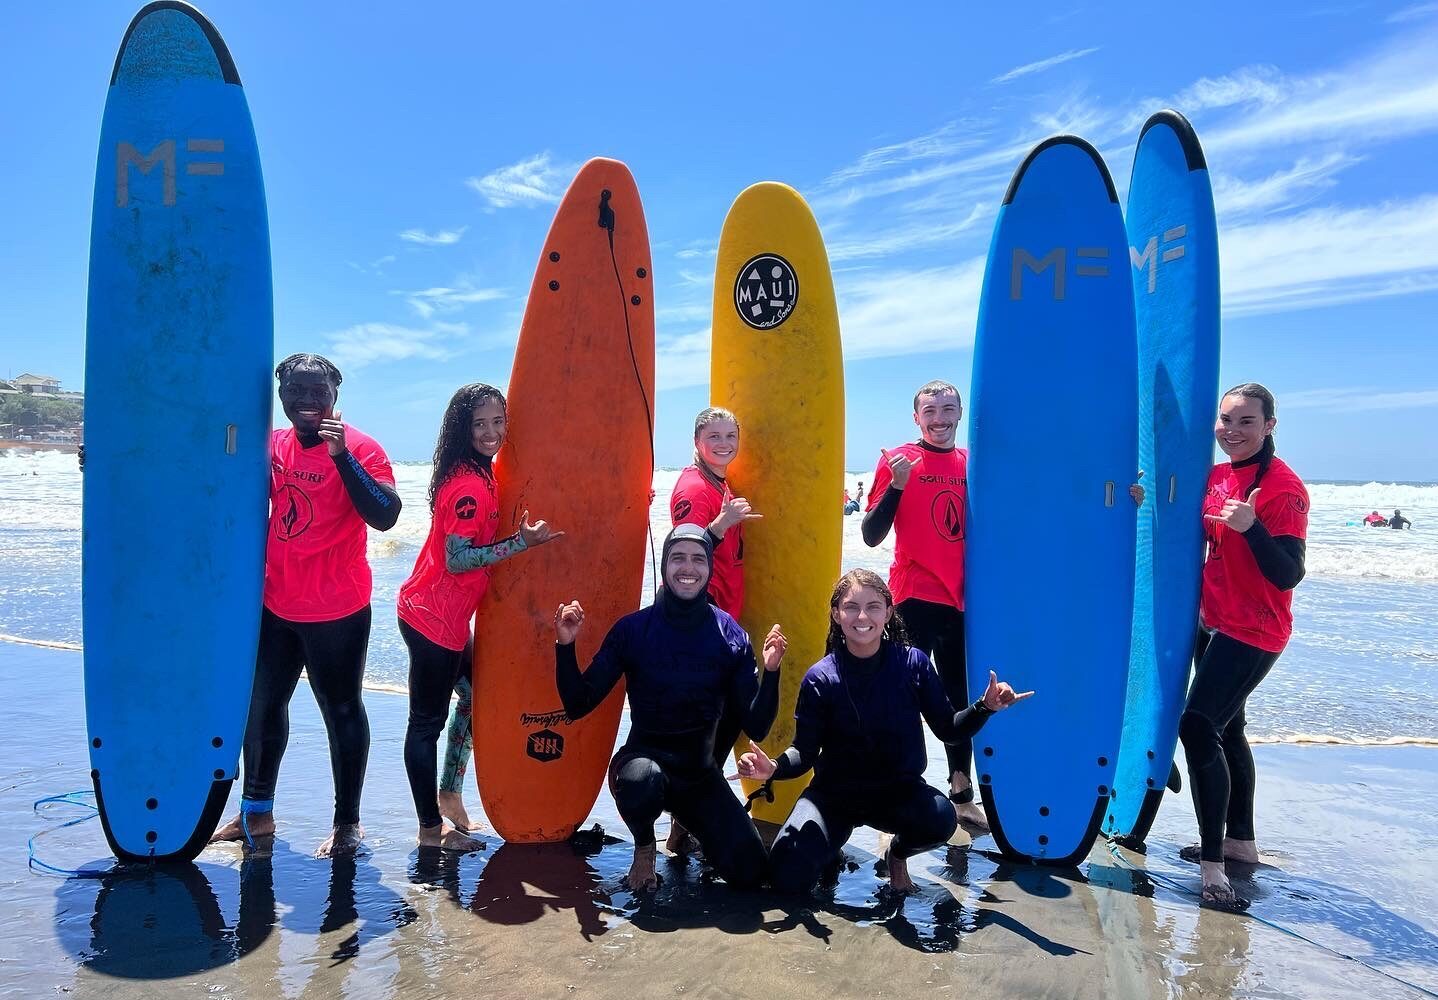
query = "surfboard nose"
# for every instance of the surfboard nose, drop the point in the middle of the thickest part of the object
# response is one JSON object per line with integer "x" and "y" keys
{"x": 171, "y": 41}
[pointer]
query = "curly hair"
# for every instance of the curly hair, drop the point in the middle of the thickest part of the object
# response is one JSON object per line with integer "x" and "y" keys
{"x": 454, "y": 450}
{"x": 852, "y": 580}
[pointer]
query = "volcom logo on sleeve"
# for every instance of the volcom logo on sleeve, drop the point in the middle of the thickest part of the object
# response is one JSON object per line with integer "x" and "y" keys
{"x": 765, "y": 291}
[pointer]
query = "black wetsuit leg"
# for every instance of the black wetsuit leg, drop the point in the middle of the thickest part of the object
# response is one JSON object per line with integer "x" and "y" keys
{"x": 938, "y": 630}
{"x": 638, "y": 784}
{"x": 815, "y": 831}
{"x": 335, "y": 658}
{"x": 1227, "y": 673}
{"x": 433, "y": 673}
{"x": 706, "y": 805}
{"x": 277, "y": 670}
{"x": 919, "y": 817}
{"x": 1242, "y": 779}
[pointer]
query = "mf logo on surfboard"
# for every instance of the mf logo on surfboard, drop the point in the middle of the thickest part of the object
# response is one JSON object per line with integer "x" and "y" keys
{"x": 163, "y": 155}
{"x": 1088, "y": 262}
{"x": 765, "y": 291}
{"x": 1150, "y": 257}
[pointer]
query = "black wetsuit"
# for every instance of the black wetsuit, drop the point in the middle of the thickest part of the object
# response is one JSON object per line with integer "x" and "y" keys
{"x": 686, "y": 663}
{"x": 1399, "y": 521}
{"x": 333, "y": 654}
{"x": 858, "y": 726}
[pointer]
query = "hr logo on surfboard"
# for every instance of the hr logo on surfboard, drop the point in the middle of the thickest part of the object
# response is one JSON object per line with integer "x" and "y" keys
{"x": 1089, "y": 262}
{"x": 1151, "y": 258}
{"x": 163, "y": 155}
{"x": 765, "y": 291}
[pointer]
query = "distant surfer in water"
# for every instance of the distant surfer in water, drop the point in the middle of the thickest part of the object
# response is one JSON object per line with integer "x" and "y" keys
{"x": 1256, "y": 519}
{"x": 1376, "y": 520}
{"x": 687, "y": 664}
{"x": 1398, "y": 521}
{"x": 437, "y": 602}
{"x": 859, "y": 725}
{"x": 328, "y": 482}
{"x": 702, "y": 496}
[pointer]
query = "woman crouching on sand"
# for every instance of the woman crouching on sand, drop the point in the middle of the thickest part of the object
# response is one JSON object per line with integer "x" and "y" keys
{"x": 687, "y": 664}
{"x": 437, "y": 602}
{"x": 858, "y": 726}
{"x": 1256, "y": 518}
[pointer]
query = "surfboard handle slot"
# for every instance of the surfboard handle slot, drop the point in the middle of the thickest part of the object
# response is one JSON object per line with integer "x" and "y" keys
{"x": 1172, "y": 488}
{"x": 1108, "y": 494}
{"x": 232, "y": 437}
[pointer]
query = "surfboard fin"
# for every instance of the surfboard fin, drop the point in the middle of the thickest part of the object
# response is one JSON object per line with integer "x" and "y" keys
{"x": 1175, "y": 780}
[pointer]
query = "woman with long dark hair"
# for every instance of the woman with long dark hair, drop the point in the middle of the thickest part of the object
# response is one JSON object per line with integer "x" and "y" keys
{"x": 858, "y": 726}
{"x": 1256, "y": 519}
{"x": 450, "y": 576}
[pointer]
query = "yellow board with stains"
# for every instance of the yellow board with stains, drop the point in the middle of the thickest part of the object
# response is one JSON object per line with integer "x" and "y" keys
{"x": 778, "y": 364}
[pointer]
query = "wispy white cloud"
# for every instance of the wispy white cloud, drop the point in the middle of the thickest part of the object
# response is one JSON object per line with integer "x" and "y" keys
{"x": 946, "y": 140}
{"x": 924, "y": 233}
{"x": 1412, "y": 13}
{"x": 1234, "y": 197}
{"x": 1359, "y": 399}
{"x": 1328, "y": 255}
{"x": 428, "y": 301}
{"x": 536, "y": 180}
{"x": 1260, "y": 85}
{"x": 1043, "y": 64}
{"x": 441, "y": 238}
{"x": 374, "y": 267}
{"x": 1385, "y": 95}
{"x": 372, "y": 343}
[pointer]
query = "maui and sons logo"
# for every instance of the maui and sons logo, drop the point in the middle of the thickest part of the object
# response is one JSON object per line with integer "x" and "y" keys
{"x": 765, "y": 291}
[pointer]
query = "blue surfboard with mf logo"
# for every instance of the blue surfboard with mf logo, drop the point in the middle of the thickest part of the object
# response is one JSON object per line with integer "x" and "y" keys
{"x": 1173, "y": 248}
{"x": 1052, "y": 451}
{"x": 179, "y": 346}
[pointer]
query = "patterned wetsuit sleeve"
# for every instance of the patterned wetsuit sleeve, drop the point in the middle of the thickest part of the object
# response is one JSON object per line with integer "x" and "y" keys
{"x": 808, "y": 734}
{"x": 580, "y": 692}
{"x": 1280, "y": 558}
{"x": 947, "y": 724}
{"x": 376, "y": 502}
{"x": 462, "y": 555}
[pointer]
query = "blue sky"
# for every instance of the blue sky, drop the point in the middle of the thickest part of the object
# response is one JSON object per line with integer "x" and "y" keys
{"x": 413, "y": 161}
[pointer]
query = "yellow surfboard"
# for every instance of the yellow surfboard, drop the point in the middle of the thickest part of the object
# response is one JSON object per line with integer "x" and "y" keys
{"x": 777, "y": 363}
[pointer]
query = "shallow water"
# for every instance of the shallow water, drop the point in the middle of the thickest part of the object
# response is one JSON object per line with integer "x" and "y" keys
{"x": 1362, "y": 664}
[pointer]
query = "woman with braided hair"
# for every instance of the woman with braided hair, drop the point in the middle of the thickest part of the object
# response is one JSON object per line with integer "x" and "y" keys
{"x": 858, "y": 726}
{"x": 1256, "y": 519}
{"x": 437, "y": 602}
{"x": 329, "y": 483}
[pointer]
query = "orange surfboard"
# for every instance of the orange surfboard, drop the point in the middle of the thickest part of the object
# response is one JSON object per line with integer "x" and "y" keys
{"x": 579, "y": 455}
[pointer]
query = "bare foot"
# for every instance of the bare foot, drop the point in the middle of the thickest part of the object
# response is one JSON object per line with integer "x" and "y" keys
{"x": 451, "y": 807}
{"x": 899, "y": 880}
{"x": 343, "y": 839}
{"x": 259, "y": 824}
{"x": 642, "y": 877}
{"x": 1218, "y": 892}
{"x": 447, "y": 838}
{"x": 1242, "y": 851}
{"x": 969, "y": 814}
{"x": 681, "y": 842}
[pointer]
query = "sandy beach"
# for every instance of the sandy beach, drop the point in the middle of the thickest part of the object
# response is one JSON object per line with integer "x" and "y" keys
{"x": 1349, "y": 829}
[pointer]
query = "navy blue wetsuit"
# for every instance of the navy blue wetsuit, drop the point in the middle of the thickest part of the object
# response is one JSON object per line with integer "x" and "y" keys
{"x": 857, "y": 725}
{"x": 686, "y": 664}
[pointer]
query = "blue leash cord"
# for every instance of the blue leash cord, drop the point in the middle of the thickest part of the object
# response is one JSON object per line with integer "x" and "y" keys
{"x": 1174, "y": 886}
{"x": 81, "y": 799}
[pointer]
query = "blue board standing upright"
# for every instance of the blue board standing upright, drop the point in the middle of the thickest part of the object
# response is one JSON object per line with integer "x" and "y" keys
{"x": 1052, "y": 451}
{"x": 179, "y": 346}
{"x": 1173, "y": 247}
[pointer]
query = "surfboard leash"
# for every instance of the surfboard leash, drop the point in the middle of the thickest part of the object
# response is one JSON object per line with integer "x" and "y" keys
{"x": 606, "y": 222}
{"x": 1178, "y": 887}
{"x": 78, "y": 799}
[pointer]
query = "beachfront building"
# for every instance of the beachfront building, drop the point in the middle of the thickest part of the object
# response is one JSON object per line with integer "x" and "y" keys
{"x": 8, "y": 388}
{"x": 37, "y": 385}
